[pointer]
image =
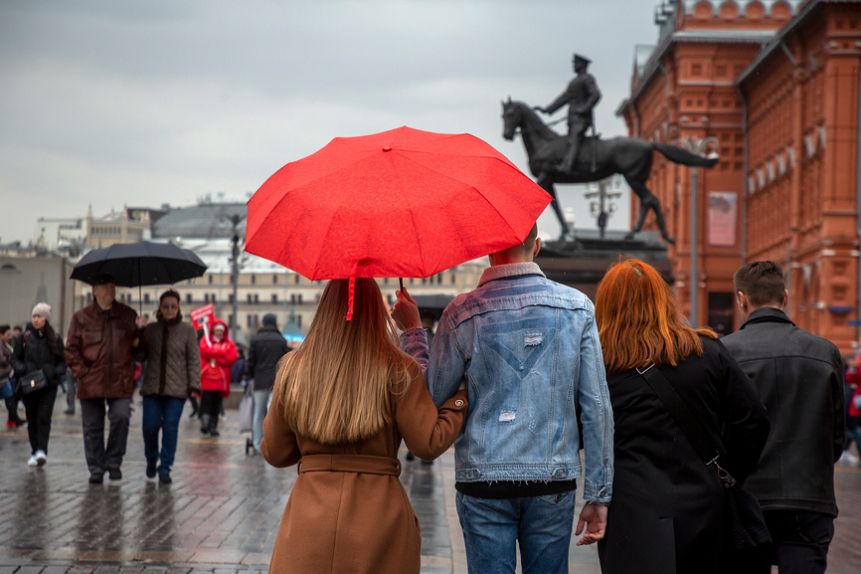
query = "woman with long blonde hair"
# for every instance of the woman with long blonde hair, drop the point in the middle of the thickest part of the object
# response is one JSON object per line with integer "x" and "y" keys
{"x": 667, "y": 514}
{"x": 342, "y": 402}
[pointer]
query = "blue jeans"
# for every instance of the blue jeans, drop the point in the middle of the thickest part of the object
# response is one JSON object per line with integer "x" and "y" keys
{"x": 161, "y": 412}
{"x": 541, "y": 524}
{"x": 262, "y": 399}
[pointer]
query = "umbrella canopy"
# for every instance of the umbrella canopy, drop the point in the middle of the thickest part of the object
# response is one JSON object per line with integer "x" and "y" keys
{"x": 401, "y": 203}
{"x": 141, "y": 263}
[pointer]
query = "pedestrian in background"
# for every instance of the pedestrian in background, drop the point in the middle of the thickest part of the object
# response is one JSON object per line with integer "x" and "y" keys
{"x": 217, "y": 355}
{"x": 341, "y": 405}
{"x": 668, "y": 510}
{"x": 851, "y": 384}
{"x": 266, "y": 348}
{"x": 6, "y": 370}
{"x": 40, "y": 349}
{"x": 103, "y": 337}
{"x": 172, "y": 375}
{"x": 800, "y": 379}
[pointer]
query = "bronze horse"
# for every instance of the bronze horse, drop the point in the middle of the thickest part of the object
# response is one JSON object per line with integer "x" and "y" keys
{"x": 631, "y": 157}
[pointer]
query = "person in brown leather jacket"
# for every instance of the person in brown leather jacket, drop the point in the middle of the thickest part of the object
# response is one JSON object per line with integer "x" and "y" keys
{"x": 102, "y": 339}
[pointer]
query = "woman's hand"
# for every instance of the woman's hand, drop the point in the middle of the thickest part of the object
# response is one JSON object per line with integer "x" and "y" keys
{"x": 405, "y": 312}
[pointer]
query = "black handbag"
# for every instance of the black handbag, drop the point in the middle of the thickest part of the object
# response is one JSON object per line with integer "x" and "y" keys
{"x": 747, "y": 528}
{"x": 33, "y": 381}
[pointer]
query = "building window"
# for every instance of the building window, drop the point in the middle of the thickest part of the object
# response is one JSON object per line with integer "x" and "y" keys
{"x": 274, "y": 298}
{"x": 206, "y": 297}
{"x": 296, "y": 279}
{"x": 299, "y": 321}
{"x": 146, "y": 297}
{"x": 385, "y": 280}
{"x": 249, "y": 298}
{"x": 230, "y": 320}
{"x": 275, "y": 280}
{"x": 254, "y": 279}
{"x": 230, "y": 298}
{"x": 212, "y": 297}
{"x": 453, "y": 278}
{"x": 256, "y": 320}
{"x": 248, "y": 320}
{"x": 188, "y": 298}
{"x": 210, "y": 279}
{"x": 299, "y": 298}
{"x": 256, "y": 298}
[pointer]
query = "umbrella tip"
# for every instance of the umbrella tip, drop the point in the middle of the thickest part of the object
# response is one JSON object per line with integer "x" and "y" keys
{"x": 387, "y": 148}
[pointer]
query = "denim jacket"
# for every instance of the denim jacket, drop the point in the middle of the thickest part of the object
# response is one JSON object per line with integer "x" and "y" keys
{"x": 528, "y": 349}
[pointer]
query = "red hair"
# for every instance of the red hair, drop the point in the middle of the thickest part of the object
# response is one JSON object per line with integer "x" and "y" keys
{"x": 639, "y": 320}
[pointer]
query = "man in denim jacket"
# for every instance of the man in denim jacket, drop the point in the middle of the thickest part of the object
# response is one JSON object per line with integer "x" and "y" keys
{"x": 528, "y": 350}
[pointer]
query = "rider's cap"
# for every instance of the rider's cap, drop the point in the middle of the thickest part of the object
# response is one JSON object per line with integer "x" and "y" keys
{"x": 578, "y": 59}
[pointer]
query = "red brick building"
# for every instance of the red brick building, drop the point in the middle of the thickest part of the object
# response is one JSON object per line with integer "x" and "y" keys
{"x": 773, "y": 87}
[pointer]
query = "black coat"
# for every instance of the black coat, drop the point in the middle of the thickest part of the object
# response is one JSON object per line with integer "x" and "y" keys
{"x": 265, "y": 350}
{"x": 667, "y": 513}
{"x": 800, "y": 379}
{"x": 34, "y": 352}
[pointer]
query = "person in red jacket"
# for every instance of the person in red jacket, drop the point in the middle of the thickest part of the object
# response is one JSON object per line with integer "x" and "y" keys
{"x": 217, "y": 355}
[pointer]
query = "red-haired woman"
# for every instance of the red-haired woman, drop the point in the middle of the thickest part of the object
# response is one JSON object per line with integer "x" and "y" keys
{"x": 667, "y": 513}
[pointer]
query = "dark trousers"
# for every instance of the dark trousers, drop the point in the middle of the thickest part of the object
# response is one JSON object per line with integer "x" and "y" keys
{"x": 99, "y": 456}
{"x": 12, "y": 403}
{"x": 801, "y": 541}
{"x": 39, "y": 406}
{"x": 210, "y": 408}
{"x": 71, "y": 392}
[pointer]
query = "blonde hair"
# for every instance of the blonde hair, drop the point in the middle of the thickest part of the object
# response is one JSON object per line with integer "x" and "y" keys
{"x": 640, "y": 322}
{"x": 335, "y": 387}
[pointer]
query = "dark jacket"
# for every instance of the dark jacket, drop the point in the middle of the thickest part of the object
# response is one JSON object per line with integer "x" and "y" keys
{"x": 35, "y": 353}
{"x": 173, "y": 360}
{"x": 800, "y": 380}
{"x": 99, "y": 351}
{"x": 667, "y": 513}
{"x": 265, "y": 350}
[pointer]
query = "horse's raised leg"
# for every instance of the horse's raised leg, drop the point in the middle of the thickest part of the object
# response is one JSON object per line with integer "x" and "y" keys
{"x": 640, "y": 219}
{"x": 545, "y": 180}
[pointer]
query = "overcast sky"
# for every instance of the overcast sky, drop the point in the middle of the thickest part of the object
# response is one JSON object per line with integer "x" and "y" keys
{"x": 108, "y": 103}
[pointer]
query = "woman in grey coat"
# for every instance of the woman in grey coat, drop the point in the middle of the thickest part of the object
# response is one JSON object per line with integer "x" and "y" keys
{"x": 172, "y": 375}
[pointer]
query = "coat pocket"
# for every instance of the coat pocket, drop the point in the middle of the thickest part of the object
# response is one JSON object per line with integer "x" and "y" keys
{"x": 92, "y": 340}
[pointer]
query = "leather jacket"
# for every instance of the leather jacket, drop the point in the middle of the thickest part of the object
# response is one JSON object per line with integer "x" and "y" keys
{"x": 800, "y": 381}
{"x": 100, "y": 352}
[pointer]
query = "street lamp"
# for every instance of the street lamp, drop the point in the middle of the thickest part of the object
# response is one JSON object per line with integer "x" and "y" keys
{"x": 599, "y": 208}
{"x": 698, "y": 147}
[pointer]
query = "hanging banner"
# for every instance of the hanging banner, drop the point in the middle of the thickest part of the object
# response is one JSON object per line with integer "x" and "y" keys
{"x": 723, "y": 209}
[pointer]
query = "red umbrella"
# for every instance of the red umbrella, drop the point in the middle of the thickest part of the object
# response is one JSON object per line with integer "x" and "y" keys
{"x": 400, "y": 203}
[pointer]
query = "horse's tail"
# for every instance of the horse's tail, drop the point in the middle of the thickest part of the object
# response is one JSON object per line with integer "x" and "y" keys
{"x": 679, "y": 155}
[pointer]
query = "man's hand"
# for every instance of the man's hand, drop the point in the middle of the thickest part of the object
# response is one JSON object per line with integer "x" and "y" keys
{"x": 594, "y": 517}
{"x": 140, "y": 321}
{"x": 405, "y": 312}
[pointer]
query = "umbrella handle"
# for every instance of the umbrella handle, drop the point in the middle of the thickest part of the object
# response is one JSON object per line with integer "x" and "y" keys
{"x": 401, "y": 280}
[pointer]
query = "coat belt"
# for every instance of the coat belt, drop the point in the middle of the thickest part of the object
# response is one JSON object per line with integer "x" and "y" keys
{"x": 358, "y": 463}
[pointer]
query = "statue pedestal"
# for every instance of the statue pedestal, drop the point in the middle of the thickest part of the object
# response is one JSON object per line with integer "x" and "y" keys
{"x": 581, "y": 262}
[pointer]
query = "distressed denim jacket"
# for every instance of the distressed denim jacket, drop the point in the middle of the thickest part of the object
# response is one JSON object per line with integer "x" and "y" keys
{"x": 528, "y": 349}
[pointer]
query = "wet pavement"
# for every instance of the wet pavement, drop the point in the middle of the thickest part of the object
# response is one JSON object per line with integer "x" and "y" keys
{"x": 222, "y": 512}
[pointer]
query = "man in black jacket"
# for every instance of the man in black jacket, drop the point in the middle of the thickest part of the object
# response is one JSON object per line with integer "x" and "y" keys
{"x": 265, "y": 350}
{"x": 800, "y": 380}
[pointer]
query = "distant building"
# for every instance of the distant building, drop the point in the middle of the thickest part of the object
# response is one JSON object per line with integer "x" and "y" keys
{"x": 775, "y": 83}
{"x": 128, "y": 225}
{"x": 28, "y": 277}
{"x": 66, "y": 234}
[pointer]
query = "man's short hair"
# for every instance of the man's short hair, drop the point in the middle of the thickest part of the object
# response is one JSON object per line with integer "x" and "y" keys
{"x": 3, "y": 329}
{"x": 102, "y": 279}
{"x": 761, "y": 282}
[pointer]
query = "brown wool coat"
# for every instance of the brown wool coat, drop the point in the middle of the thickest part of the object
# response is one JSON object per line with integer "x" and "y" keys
{"x": 357, "y": 522}
{"x": 181, "y": 366}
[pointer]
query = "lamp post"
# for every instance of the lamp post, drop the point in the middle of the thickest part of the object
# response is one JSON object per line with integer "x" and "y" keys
{"x": 599, "y": 208}
{"x": 235, "y": 220}
{"x": 697, "y": 146}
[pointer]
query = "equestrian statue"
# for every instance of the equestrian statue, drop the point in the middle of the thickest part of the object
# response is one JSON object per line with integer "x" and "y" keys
{"x": 577, "y": 158}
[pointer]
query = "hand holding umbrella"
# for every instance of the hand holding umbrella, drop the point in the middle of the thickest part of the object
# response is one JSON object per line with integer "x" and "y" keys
{"x": 405, "y": 311}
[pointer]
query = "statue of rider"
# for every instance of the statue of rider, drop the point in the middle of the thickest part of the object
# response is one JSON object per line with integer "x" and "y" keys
{"x": 581, "y": 96}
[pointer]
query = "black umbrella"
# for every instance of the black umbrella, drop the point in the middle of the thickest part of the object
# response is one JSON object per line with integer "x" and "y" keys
{"x": 139, "y": 264}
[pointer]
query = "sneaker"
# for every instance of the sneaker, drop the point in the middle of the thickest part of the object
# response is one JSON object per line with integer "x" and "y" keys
{"x": 32, "y": 461}
{"x": 68, "y": 412}
{"x": 150, "y": 470}
{"x": 164, "y": 478}
{"x": 848, "y": 459}
{"x": 11, "y": 424}
{"x": 204, "y": 430}
{"x": 213, "y": 432}
{"x": 115, "y": 474}
{"x": 41, "y": 457}
{"x": 96, "y": 479}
